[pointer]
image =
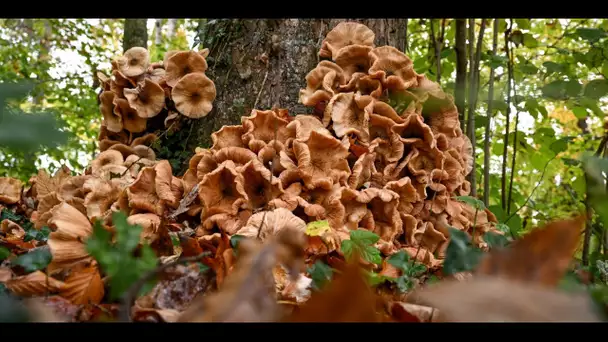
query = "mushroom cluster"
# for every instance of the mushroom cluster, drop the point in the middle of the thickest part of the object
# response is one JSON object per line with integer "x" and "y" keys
{"x": 143, "y": 97}
{"x": 384, "y": 152}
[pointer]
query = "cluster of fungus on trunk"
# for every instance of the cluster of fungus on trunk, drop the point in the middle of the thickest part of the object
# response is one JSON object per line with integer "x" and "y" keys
{"x": 385, "y": 154}
{"x": 142, "y": 97}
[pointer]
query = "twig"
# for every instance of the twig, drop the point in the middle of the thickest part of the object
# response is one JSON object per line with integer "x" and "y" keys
{"x": 514, "y": 155}
{"x": 129, "y": 296}
{"x": 507, "y": 118}
{"x": 533, "y": 190}
{"x": 255, "y": 104}
{"x": 185, "y": 202}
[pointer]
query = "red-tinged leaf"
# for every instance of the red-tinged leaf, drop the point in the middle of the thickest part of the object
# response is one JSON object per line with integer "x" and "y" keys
{"x": 190, "y": 246}
{"x": 358, "y": 150}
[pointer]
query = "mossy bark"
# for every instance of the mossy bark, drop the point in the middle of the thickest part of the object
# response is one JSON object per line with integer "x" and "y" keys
{"x": 135, "y": 34}
{"x": 237, "y": 65}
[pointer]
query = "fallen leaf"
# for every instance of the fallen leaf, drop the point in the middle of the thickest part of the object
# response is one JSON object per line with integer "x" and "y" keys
{"x": 9, "y": 227}
{"x": 487, "y": 299}
{"x": 407, "y": 312}
{"x": 190, "y": 246}
{"x": 541, "y": 256}
{"x": 84, "y": 286}
{"x": 34, "y": 284}
{"x": 61, "y": 307}
{"x": 347, "y": 298}
{"x": 389, "y": 270}
{"x": 6, "y": 274}
{"x": 154, "y": 315}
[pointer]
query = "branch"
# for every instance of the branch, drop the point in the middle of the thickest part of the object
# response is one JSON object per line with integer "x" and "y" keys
{"x": 514, "y": 137}
{"x": 533, "y": 190}
{"x": 507, "y": 117}
{"x": 437, "y": 48}
{"x": 486, "y": 144}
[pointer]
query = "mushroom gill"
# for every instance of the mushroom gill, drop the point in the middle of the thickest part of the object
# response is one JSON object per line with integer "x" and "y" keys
{"x": 182, "y": 63}
{"x": 193, "y": 95}
{"x": 148, "y": 99}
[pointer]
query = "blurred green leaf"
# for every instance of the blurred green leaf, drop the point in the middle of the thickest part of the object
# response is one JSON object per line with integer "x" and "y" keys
{"x": 590, "y": 34}
{"x": 596, "y": 89}
{"x": 460, "y": 256}
{"x": 34, "y": 260}
{"x": 320, "y": 273}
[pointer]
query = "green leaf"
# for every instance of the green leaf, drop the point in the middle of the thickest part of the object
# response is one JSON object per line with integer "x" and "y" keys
{"x": 127, "y": 236}
{"x": 590, "y": 34}
{"x": 515, "y": 224}
{"x": 348, "y": 248}
{"x": 555, "y": 90}
{"x": 605, "y": 68}
{"x": 375, "y": 278}
{"x": 498, "y": 212}
{"x": 235, "y": 240}
{"x": 371, "y": 254}
{"x": 528, "y": 68}
{"x": 320, "y": 273}
{"x": 553, "y": 67}
{"x": 573, "y": 88}
{"x": 503, "y": 227}
{"x": 364, "y": 237}
{"x": 495, "y": 240}
{"x": 460, "y": 255}
{"x": 404, "y": 284}
{"x": 399, "y": 260}
{"x": 596, "y": 89}
{"x": 560, "y": 145}
{"x": 530, "y": 41}
{"x": 35, "y": 260}
{"x": 472, "y": 201}
{"x": 202, "y": 268}
{"x": 580, "y": 112}
{"x": 523, "y": 24}
{"x": 4, "y": 253}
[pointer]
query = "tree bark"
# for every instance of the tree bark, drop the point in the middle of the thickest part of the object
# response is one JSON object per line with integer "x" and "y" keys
{"x": 461, "y": 68}
{"x": 236, "y": 65}
{"x": 171, "y": 28}
{"x": 158, "y": 32}
{"x": 503, "y": 179}
{"x": 135, "y": 34}
{"x": 486, "y": 144}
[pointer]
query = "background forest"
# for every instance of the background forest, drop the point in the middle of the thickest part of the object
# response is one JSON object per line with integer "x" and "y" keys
{"x": 531, "y": 93}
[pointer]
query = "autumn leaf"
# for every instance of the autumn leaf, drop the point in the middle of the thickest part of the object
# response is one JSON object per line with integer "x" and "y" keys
{"x": 317, "y": 228}
{"x": 34, "y": 284}
{"x": 84, "y": 286}
{"x": 541, "y": 256}
{"x": 347, "y": 298}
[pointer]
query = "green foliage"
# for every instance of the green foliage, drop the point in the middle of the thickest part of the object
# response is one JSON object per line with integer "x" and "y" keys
{"x": 472, "y": 201}
{"x": 34, "y": 260}
{"x": 4, "y": 253}
{"x": 117, "y": 259}
{"x": 460, "y": 255}
{"x": 361, "y": 242}
{"x": 409, "y": 270}
{"x": 320, "y": 274}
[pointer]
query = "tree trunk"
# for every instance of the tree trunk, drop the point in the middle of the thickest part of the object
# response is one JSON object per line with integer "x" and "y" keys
{"x": 172, "y": 27}
{"x": 158, "y": 32}
{"x": 236, "y": 65}
{"x": 486, "y": 145}
{"x": 135, "y": 33}
{"x": 461, "y": 68}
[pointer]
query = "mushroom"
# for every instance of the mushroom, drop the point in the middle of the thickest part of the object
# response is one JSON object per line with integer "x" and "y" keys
{"x": 182, "y": 63}
{"x": 148, "y": 99}
{"x": 350, "y": 115}
{"x": 261, "y": 127}
{"x": 193, "y": 95}
{"x": 111, "y": 121}
{"x": 10, "y": 190}
{"x": 131, "y": 121}
{"x": 274, "y": 221}
{"x": 134, "y": 62}
{"x": 227, "y": 136}
{"x": 322, "y": 83}
{"x": 393, "y": 68}
{"x": 345, "y": 34}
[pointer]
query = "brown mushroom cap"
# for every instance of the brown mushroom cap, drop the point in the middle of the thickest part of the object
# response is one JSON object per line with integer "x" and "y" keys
{"x": 193, "y": 95}
{"x": 393, "y": 68}
{"x": 134, "y": 62}
{"x": 183, "y": 63}
{"x": 131, "y": 121}
{"x": 345, "y": 34}
{"x": 109, "y": 157}
{"x": 148, "y": 99}
{"x": 349, "y": 115}
{"x": 112, "y": 121}
{"x": 10, "y": 190}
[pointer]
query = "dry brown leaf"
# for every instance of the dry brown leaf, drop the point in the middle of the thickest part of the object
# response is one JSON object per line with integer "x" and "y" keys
{"x": 6, "y": 274}
{"x": 347, "y": 298}
{"x": 541, "y": 256}
{"x": 487, "y": 299}
{"x": 84, "y": 286}
{"x": 34, "y": 284}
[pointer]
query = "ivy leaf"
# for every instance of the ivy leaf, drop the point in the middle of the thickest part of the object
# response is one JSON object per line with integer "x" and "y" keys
{"x": 472, "y": 201}
{"x": 460, "y": 255}
{"x": 596, "y": 89}
{"x": 35, "y": 260}
{"x": 348, "y": 248}
{"x": 320, "y": 273}
{"x": 361, "y": 242}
